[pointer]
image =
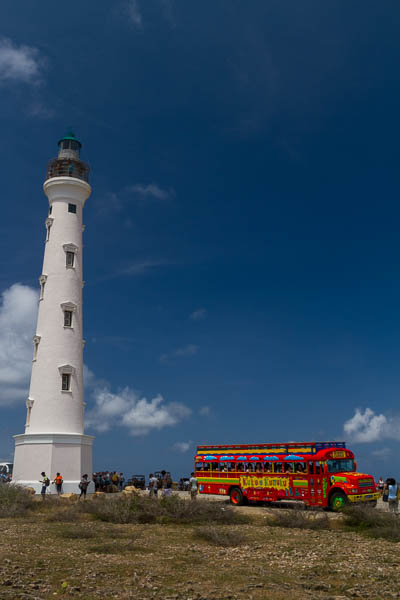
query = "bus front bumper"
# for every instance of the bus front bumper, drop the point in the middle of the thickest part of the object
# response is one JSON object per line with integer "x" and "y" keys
{"x": 363, "y": 497}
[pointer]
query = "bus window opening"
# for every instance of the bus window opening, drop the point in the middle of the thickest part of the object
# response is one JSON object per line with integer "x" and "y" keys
{"x": 342, "y": 465}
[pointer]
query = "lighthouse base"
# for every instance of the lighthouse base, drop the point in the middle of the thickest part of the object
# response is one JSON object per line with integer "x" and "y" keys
{"x": 67, "y": 453}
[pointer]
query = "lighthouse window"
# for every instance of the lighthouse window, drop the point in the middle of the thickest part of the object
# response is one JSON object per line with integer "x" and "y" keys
{"x": 70, "y": 257}
{"x": 72, "y": 208}
{"x": 66, "y": 382}
{"x": 68, "y": 318}
{"x": 36, "y": 341}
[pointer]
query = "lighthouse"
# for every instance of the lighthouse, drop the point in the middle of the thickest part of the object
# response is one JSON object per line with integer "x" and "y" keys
{"x": 54, "y": 439}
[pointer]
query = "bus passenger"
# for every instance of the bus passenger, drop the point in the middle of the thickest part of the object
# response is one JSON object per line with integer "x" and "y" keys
{"x": 240, "y": 467}
{"x": 249, "y": 468}
{"x": 289, "y": 468}
{"x": 267, "y": 467}
{"x": 299, "y": 468}
{"x": 258, "y": 468}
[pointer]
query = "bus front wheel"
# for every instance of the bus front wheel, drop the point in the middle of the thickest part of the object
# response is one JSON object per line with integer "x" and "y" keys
{"x": 337, "y": 501}
{"x": 236, "y": 496}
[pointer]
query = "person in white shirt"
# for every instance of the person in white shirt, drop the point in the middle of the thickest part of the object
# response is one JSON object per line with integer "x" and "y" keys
{"x": 153, "y": 485}
{"x": 193, "y": 486}
{"x": 392, "y": 495}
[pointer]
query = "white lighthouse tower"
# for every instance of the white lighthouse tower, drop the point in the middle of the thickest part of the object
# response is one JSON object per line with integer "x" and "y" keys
{"x": 54, "y": 439}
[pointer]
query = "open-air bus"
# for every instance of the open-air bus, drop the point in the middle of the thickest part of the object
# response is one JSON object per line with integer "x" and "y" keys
{"x": 316, "y": 473}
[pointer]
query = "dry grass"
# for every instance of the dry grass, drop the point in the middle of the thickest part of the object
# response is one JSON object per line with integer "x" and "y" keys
{"x": 77, "y": 533}
{"x": 39, "y": 559}
{"x": 145, "y": 510}
{"x": 373, "y": 523}
{"x": 92, "y": 559}
{"x": 220, "y": 537}
{"x": 15, "y": 501}
{"x": 299, "y": 519}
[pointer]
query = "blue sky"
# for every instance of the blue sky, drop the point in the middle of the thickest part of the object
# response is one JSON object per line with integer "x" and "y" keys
{"x": 241, "y": 244}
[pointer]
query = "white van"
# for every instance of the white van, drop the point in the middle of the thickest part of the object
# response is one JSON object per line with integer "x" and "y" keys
{"x": 6, "y": 468}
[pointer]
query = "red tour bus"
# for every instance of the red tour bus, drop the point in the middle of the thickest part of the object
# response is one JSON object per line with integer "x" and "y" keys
{"x": 316, "y": 473}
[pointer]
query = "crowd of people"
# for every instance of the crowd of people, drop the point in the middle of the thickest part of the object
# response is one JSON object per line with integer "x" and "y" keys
{"x": 165, "y": 483}
{"x": 108, "y": 481}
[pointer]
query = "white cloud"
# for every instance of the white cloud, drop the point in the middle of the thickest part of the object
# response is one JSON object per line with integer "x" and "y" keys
{"x": 19, "y": 63}
{"x": 135, "y": 269}
{"x": 189, "y": 350}
{"x": 367, "y": 426}
{"x": 183, "y": 446}
{"x": 141, "y": 267}
{"x": 108, "y": 203}
{"x": 204, "y": 411}
{"x": 128, "y": 409}
{"x": 134, "y": 13}
{"x": 150, "y": 191}
{"x": 40, "y": 110}
{"x": 382, "y": 453}
{"x": 89, "y": 378}
{"x": 199, "y": 314}
{"x": 18, "y": 313}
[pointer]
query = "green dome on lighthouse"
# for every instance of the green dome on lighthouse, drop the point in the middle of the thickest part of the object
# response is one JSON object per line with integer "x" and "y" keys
{"x": 70, "y": 136}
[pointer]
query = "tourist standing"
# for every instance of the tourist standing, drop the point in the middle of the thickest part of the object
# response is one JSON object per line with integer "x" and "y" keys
{"x": 115, "y": 480}
{"x": 153, "y": 485}
{"x": 193, "y": 486}
{"x": 58, "y": 480}
{"x": 166, "y": 483}
{"x": 45, "y": 481}
{"x": 83, "y": 486}
{"x": 381, "y": 485}
{"x": 121, "y": 482}
{"x": 393, "y": 500}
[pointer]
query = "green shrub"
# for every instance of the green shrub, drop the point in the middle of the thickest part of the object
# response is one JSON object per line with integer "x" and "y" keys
{"x": 108, "y": 548}
{"x": 58, "y": 511}
{"x": 299, "y": 519}
{"x": 15, "y": 501}
{"x": 220, "y": 536}
{"x": 77, "y": 533}
{"x": 142, "y": 509}
{"x": 372, "y": 522}
{"x": 122, "y": 510}
{"x": 179, "y": 510}
{"x": 115, "y": 547}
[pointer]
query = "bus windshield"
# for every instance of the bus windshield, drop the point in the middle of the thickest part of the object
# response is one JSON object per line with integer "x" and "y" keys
{"x": 342, "y": 465}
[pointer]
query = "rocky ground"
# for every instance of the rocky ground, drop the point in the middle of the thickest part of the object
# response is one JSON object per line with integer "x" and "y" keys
{"x": 40, "y": 559}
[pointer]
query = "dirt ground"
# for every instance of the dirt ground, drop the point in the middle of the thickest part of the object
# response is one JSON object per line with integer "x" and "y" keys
{"x": 91, "y": 559}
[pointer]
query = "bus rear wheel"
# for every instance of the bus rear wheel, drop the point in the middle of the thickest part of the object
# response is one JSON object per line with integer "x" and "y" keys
{"x": 236, "y": 496}
{"x": 337, "y": 501}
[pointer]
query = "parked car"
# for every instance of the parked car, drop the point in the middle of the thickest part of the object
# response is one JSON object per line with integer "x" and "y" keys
{"x": 6, "y": 468}
{"x": 139, "y": 481}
